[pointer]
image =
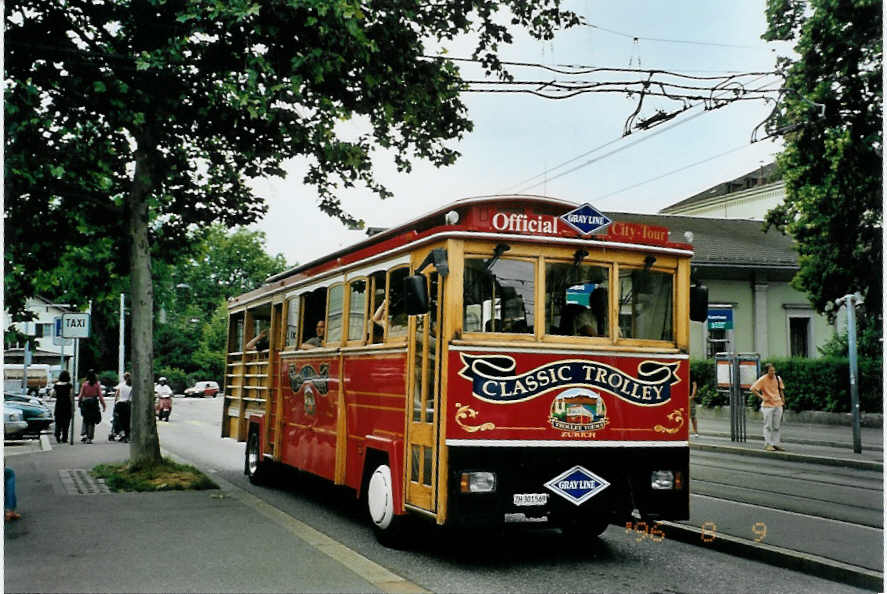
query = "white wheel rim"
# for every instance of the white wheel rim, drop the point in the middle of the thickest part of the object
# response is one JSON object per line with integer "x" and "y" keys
{"x": 379, "y": 497}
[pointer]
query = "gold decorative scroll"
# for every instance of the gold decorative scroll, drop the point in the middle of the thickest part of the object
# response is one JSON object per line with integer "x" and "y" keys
{"x": 675, "y": 416}
{"x": 466, "y": 412}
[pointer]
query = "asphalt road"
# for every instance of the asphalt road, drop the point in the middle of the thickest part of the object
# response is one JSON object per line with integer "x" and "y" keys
{"x": 828, "y": 511}
{"x": 525, "y": 559}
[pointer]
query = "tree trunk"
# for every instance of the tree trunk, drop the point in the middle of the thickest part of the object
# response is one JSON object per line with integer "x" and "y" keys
{"x": 144, "y": 445}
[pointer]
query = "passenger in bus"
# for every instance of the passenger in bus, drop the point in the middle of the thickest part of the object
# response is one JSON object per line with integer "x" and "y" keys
{"x": 584, "y": 323}
{"x": 587, "y": 321}
{"x": 316, "y": 341}
{"x": 260, "y": 342}
{"x": 378, "y": 329}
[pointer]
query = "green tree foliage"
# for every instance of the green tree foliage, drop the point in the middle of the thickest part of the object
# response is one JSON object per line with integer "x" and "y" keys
{"x": 132, "y": 124}
{"x": 211, "y": 348}
{"x": 223, "y": 264}
{"x": 191, "y": 291}
{"x": 833, "y": 158}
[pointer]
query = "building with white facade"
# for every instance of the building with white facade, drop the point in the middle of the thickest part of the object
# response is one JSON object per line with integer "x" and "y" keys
{"x": 752, "y": 305}
{"x": 43, "y": 347}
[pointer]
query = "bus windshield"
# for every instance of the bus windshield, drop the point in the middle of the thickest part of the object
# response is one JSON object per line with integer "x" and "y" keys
{"x": 499, "y": 297}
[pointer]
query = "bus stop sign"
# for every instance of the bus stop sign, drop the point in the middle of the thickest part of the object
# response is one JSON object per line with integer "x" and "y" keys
{"x": 75, "y": 325}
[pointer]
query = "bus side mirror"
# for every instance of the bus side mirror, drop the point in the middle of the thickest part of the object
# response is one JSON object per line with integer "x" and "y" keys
{"x": 415, "y": 292}
{"x": 698, "y": 303}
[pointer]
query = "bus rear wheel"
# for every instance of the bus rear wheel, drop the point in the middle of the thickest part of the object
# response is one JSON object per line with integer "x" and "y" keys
{"x": 255, "y": 468}
{"x": 388, "y": 527}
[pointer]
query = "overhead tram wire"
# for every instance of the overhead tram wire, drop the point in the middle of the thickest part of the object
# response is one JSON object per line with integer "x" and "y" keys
{"x": 673, "y": 171}
{"x": 662, "y": 40}
{"x": 606, "y": 144}
{"x": 574, "y": 69}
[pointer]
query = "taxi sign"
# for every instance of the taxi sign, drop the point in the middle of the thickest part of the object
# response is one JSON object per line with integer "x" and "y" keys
{"x": 75, "y": 325}
{"x": 586, "y": 219}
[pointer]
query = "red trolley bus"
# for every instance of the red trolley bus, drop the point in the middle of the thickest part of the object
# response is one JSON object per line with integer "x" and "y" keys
{"x": 503, "y": 355}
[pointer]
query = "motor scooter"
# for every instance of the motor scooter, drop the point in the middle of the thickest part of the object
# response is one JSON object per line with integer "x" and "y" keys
{"x": 163, "y": 403}
{"x": 163, "y": 407}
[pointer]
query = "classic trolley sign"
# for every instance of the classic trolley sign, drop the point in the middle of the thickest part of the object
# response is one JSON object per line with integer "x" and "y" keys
{"x": 504, "y": 355}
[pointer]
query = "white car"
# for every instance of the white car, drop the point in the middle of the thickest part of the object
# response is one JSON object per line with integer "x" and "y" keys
{"x": 203, "y": 389}
{"x": 14, "y": 423}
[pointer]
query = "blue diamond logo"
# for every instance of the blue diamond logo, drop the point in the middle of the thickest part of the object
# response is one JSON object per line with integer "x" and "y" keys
{"x": 577, "y": 485}
{"x": 586, "y": 219}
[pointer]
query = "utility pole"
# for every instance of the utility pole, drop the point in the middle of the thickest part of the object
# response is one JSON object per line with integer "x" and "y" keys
{"x": 851, "y": 301}
{"x": 120, "y": 349}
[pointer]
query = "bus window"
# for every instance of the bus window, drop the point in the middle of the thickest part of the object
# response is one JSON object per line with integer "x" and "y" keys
{"x": 235, "y": 338}
{"x": 501, "y": 299}
{"x": 357, "y": 308}
{"x": 292, "y": 323}
{"x": 576, "y": 300}
{"x": 397, "y": 314}
{"x": 313, "y": 321}
{"x": 377, "y": 307}
{"x": 334, "y": 316}
{"x": 646, "y": 304}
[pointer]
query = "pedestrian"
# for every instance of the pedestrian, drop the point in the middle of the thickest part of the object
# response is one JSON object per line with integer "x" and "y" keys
{"x": 123, "y": 407}
{"x": 770, "y": 389}
{"x": 90, "y": 396}
{"x": 693, "y": 407}
{"x": 9, "y": 500}
{"x": 63, "y": 405}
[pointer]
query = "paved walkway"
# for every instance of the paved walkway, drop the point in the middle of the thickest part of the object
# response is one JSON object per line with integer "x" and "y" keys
{"x": 74, "y": 536}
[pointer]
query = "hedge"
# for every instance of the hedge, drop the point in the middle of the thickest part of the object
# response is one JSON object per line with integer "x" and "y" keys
{"x": 810, "y": 384}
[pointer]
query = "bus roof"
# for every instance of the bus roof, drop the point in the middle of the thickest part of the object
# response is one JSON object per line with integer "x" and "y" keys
{"x": 517, "y": 217}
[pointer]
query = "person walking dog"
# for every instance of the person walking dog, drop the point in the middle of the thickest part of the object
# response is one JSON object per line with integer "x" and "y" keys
{"x": 770, "y": 389}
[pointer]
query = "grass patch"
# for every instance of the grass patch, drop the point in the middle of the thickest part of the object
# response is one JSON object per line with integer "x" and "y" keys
{"x": 166, "y": 476}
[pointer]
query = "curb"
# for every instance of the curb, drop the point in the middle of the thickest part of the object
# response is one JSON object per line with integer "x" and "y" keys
{"x": 799, "y": 441}
{"x": 791, "y": 456}
{"x": 381, "y": 577}
{"x": 811, "y": 564}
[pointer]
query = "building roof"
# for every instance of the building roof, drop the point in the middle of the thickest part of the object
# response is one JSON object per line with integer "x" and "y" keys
{"x": 763, "y": 175}
{"x": 724, "y": 242}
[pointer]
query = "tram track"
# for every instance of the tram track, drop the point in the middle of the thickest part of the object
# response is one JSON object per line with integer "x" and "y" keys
{"x": 810, "y": 505}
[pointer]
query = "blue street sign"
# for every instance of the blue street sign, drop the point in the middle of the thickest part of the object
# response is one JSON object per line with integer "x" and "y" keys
{"x": 720, "y": 319}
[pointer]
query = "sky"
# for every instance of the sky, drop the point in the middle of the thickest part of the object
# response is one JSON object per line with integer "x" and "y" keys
{"x": 517, "y": 138}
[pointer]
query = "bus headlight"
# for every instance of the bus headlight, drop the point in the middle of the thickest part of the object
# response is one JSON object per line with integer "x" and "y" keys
{"x": 662, "y": 480}
{"x": 478, "y": 482}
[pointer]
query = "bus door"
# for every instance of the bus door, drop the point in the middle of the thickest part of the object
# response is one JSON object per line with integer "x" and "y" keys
{"x": 425, "y": 358}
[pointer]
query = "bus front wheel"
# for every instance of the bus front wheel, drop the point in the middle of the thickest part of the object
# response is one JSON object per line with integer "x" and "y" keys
{"x": 388, "y": 527}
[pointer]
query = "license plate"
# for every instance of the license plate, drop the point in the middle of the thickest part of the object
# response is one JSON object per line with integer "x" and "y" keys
{"x": 530, "y": 498}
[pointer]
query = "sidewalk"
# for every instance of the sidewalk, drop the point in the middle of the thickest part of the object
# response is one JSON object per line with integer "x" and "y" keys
{"x": 75, "y": 536}
{"x": 821, "y": 443}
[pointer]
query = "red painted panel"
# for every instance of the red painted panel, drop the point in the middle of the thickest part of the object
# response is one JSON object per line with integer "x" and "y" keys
{"x": 530, "y": 396}
{"x": 310, "y": 401}
{"x": 375, "y": 388}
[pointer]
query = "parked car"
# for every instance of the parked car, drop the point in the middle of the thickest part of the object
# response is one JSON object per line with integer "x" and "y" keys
{"x": 36, "y": 415}
{"x": 27, "y": 398}
{"x": 14, "y": 425}
{"x": 203, "y": 389}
